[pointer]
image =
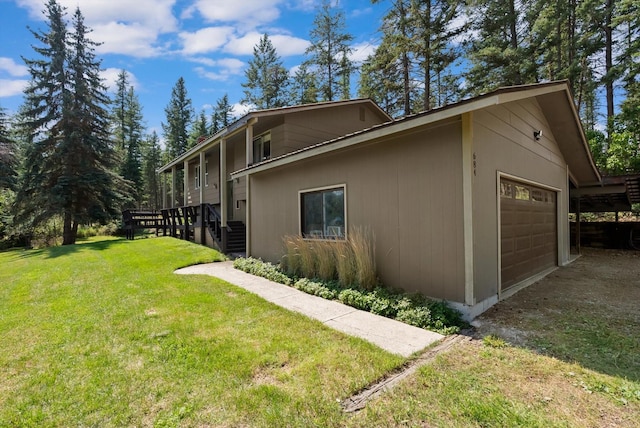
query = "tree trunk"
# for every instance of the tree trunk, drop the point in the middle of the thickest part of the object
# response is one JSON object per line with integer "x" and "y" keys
{"x": 69, "y": 230}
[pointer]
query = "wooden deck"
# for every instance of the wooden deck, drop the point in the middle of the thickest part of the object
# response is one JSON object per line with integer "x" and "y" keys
{"x": 184, "y": 222}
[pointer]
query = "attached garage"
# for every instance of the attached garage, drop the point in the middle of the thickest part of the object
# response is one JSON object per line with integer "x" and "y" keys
{"x": 528, "y": 231}
{"x": 467, "y": 203}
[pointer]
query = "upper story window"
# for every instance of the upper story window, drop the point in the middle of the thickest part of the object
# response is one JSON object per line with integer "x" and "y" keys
{"x": 262, "y": 147}
{"x": 206, "y": 173}
{"x": 196, "y": 177}
{"x": 322, "y": 213}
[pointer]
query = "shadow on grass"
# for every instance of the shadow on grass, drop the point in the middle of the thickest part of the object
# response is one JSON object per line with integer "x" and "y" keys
{"x": 65, "y": 250}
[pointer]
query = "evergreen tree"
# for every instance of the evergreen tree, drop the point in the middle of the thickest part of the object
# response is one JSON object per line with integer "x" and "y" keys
{"x": 133, "y": 128}
{"x": 151, "y": 161}
{"x": 119, "y": 110}
{"x": 7, "y": 154}
{"x": 199, "y": 129}
{"x": 500, "y": 54}
{"x": 434, "y": 48}
{"x": 266, "y": 78}
{"x": 303, "y": 86}
{"x": 179, "y": 114}
{"x": 329, "y": 51}
{"x": 68, "y": 168}
{"x": 222, "y": 115}
{"x": 381, "y": 79}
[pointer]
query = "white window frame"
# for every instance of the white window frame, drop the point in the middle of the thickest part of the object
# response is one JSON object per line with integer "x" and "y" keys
{"x": 196, "y": 177}
{"x": 258, "y": 147}
{"x": 343, "y": 236}
{"x": 206, "y": 173}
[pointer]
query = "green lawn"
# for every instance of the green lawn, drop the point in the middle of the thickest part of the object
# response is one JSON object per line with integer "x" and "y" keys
{"x": 104, "y": 334}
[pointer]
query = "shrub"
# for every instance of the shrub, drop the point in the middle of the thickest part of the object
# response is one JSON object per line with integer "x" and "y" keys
{"x": 413, "y": 309}
{"x": 356, "y": 298}
{"x": 259, "y": 268}
{"x": 315, "y": 288}
{"x": 291, "y": 263}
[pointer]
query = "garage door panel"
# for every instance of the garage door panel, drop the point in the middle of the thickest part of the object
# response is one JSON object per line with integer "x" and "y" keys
{"x": 528, "y": 231}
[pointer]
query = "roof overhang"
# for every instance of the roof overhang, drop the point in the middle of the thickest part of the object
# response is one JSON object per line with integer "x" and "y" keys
{"x": 251, "y": 117}
{"x": 616, "y": 193}
{"x": 555, "y": 96}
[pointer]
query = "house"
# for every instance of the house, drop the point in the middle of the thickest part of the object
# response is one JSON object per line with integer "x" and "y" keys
{"x": 204, "y": 170}
{"x": 468, "y": 203}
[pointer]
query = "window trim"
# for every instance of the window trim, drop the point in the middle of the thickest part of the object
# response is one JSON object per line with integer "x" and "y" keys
{"x": 196, "y": 177}
{"x": 260, "y": 140}
{"x": 342, "y": 186}
{"x": 206, "y": 172}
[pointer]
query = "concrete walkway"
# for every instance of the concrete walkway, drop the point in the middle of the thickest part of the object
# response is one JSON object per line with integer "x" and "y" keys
{"x": 388, "y": 334}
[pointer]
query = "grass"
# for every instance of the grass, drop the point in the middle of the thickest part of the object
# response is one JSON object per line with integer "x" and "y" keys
{"x": 104, "y": 334}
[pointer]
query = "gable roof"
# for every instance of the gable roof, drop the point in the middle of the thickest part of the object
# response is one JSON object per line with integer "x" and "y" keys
{"x": 554, "y": 97}
{"x": 242, "y": 122}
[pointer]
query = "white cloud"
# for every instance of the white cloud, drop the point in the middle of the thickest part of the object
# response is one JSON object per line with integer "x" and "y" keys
{"x": 14, "y": 69}
{"x": 205, "y": 40}
{"x": 361, "y": 51}
{"x": 110, "y": 76}
{"x": 252, "y": 12}
{"x": 226, "y": 67}
{"x": 240, "y": 110}
{"x": 285, "y": 45}
{"x": 11, "y": 88}
{"x": 123, "y": 26}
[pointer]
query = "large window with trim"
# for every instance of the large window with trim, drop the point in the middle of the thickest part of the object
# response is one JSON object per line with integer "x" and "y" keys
{"x": 323, "y": 213}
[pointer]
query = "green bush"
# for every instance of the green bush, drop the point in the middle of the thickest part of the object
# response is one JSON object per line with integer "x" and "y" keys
{"x": 413, "y": 309}
{"x": 259, "y": 268}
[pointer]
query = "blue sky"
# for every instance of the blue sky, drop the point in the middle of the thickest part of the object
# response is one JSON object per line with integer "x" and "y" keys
{"x": 208, "y": 42}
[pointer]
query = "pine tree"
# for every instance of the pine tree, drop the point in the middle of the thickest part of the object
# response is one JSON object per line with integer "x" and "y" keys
{"x": 500, "y": 54}
{"x": 151, "y": 161}
{"x": 8, "y": 159}
{"x": 222, "y": 115}
{"x": 381, "y": 79}
{"x": 303, "y": 86}
{"x": 133, "y": 130}
{"x": 69, "y": 166}
{"x": 266, "y": 78}
{"x": 119, "y": 110}
{"x": 329, "y": 52}
{"x": 199, "y": 129}
{"x": 179, "y": 114}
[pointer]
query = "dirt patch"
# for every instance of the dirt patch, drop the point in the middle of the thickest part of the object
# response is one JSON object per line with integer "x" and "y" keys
{"x": 579, "y": 309}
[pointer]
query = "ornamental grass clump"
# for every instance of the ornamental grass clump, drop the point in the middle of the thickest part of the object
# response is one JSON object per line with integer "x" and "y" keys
{"x": 291, "y": 263}
{"x": 345, "y": 264}
{"x": 325, "y": 255}
{"x": 363, "y": 246}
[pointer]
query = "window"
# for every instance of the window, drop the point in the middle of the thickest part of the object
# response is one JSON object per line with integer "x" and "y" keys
{"x": 196, "y": 177}
{"x": 206, "y": 173}
{"x": 262, "y": 147}
{"x": 322, "y": 213}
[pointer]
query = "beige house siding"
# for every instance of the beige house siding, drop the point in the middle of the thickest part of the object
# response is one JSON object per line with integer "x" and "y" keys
{"x": 409, "y": 191}
{"x": 504, "y": 142}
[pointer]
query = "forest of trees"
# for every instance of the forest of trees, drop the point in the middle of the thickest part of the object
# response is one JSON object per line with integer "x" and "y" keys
{"x": 72, "y": 155}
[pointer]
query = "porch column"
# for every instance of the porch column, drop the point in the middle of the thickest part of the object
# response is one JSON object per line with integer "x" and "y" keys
{"x": 223, "y": 183}
{"x": 578, "y": 224}
{"x": 186, "y": 183}
{"x": 173, "y": 186}
{"x": 201, "y": 178}
{"x": 468, "y": 172}
{"x": 249, "y": 141}
{"x": 164, "y": 190}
